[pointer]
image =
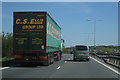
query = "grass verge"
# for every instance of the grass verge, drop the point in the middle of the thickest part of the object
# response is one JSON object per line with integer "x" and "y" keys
{"x": 5, "y": 59}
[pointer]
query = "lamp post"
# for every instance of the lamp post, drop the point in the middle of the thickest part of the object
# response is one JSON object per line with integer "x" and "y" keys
{"x": 94, "y": 31}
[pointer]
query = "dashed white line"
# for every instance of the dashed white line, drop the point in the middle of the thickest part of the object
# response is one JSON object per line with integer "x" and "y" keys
{"x": 77, "y": 62}
{"x": 68, "y": 58}
{"x": 65, "y": 61}
{"x": 106, "y": 65}
{"x": 4, "y": 68}
{"x": 59, "y": 67}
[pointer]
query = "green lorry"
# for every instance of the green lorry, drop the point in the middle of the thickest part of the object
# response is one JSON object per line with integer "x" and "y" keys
{"x": 36, "y": 38}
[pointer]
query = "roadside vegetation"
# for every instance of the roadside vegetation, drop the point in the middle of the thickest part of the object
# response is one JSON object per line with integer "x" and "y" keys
{"x": 107, "y": 50}
{"x": 65, "y": 51}
{"x": 7, "y": 46}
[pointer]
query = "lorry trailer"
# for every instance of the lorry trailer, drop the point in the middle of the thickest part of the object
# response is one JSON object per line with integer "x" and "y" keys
{"x": 36, "y": 38}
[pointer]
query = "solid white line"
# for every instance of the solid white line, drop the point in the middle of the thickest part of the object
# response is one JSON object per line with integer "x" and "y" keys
{"x": 105, "y": 65}
{"x": 59, "y": 67}
{"x": 4, "y": 68}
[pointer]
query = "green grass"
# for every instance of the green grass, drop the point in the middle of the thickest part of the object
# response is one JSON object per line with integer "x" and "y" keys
{"x": 65, "y": 53}
{"x": 5, "y": 59}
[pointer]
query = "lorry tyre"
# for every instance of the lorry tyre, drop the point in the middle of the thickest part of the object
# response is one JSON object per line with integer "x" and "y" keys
{"x": 58, "y": 58}
{"x": 88, "y": 59}
{"x": 74, "y": 59}
{"x": 60, "y": 55}
{"x": 52, "y": 60}
{"x": 47, "y": 63}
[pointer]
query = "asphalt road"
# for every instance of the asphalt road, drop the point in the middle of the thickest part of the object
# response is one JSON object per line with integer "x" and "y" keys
{"x": 66, "y": 68}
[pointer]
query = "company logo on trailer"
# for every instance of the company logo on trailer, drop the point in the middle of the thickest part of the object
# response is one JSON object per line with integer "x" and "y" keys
{"x": 52, "y": 31}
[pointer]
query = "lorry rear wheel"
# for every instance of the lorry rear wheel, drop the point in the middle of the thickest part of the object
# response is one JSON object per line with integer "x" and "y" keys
{"x": 52, "y": 60}
{"x": 58, "y": 58}
{"x": 47, "y": 63}
{"x": 74, "y": 59}
{"x": 60, "y": 55}
{"x": 87, "y": 59}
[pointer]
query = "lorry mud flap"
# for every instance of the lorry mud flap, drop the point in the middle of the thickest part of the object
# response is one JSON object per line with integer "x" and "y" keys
{"x": 57, "y": 56}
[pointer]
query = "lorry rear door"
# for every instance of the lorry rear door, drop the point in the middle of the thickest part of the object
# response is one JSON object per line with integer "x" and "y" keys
{"x": 29, "y": 32}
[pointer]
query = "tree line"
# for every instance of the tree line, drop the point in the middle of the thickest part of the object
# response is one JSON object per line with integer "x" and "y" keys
{"x": 7, "y": 44}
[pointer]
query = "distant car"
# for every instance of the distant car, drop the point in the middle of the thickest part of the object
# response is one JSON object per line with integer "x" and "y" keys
{"x": 81, "y": 52}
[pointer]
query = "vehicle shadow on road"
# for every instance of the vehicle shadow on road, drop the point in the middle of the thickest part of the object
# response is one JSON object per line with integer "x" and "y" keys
{"x": 26, "y": 65}
{"x": 15, "y": 64}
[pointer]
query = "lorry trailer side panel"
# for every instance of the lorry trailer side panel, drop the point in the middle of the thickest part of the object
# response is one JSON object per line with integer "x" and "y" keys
{"x": 53, "y": 35}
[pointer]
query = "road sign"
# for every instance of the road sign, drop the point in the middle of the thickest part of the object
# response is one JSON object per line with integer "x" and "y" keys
{"x": 94, "y": 48}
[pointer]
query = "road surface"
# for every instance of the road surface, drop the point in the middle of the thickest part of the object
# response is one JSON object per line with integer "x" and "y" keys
{"x": 66, "y": 68}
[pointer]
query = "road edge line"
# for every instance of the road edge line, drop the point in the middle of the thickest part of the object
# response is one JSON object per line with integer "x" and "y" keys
{"x": 4, "y": 68}
{"x": 105, "y": 65}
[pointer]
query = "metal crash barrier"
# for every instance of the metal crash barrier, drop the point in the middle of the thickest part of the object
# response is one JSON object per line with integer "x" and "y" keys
{"x": 111, "y": 59}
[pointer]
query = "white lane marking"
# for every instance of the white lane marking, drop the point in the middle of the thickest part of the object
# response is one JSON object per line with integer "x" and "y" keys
{"x": 105, "y": 65}
{"x": 77, "y": 62}
{"x": 59, "y": 67}
{"x": 4, "y": 68}
{"x": 69, "y": 59}
{"x": 65, "y": 61}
